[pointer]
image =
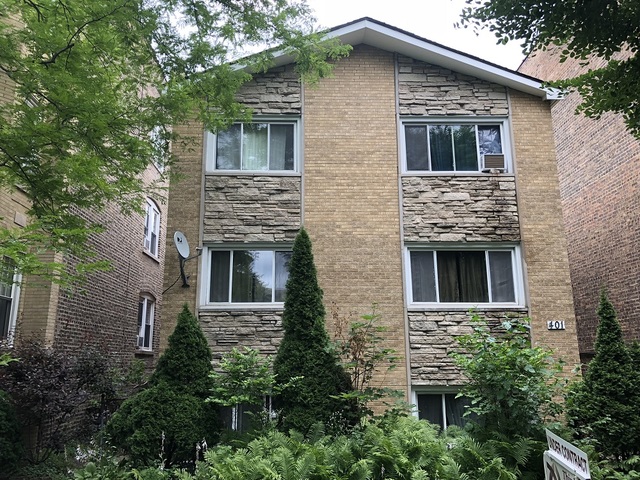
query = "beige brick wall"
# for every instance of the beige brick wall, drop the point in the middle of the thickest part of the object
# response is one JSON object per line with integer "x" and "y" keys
{"x": 350, "y": 191}
{"x": 184, "y": 214}
{"x": 543, "y": 238}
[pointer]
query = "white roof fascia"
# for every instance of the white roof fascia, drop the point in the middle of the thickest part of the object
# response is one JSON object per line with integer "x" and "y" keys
{"x": 387, "y": 38}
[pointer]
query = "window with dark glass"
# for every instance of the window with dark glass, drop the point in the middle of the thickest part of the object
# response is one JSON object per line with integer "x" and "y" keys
{"x": 7, "y": 292}
{"x": 450, "y": 148}
{"x": 146, "y": 313}
{"x": 256, "y": 147}
{"x": 462, "y": 276}
{"x": 442, "y": 409}
{"x": 248, "y": 276}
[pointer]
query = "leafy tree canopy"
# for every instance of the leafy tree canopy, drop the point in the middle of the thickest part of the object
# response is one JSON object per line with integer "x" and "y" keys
{"x": 607, "y": 28}
{"x": 98, "y": 83}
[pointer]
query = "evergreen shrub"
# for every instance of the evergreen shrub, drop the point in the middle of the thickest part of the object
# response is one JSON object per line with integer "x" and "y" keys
{"x": 305, "y": 353}
{"x": 10, "y": 441}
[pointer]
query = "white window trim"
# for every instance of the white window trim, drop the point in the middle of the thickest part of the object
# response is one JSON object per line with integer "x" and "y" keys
{"x": 502, "y": 121}
{"x": 518, "y": 277}
{"x": 205, "y": 284}
{"x": 210, "y": 149}
{"x": 13, "y": 313}
{"x": 149, "y": 301}
{"x": 441, "y": 390}
{"x": 152, "y": 212}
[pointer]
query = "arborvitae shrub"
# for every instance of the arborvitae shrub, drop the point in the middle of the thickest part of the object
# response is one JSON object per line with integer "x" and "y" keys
{"x": 10, "y": 441}
{"x": 604, "y": 406}
{"x": 305, "y": 349}
{"x": 173, "y": 405}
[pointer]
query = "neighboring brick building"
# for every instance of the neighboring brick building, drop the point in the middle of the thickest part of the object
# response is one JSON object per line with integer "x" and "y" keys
{"x": 383, "y": 165}
{"x": 105, "y": 313}
{"x": 598, "y": 170}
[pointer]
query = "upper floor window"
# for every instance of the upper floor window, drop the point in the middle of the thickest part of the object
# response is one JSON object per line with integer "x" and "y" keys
{"x": 9, "y": 296}
{"x": 454, "y": 147}
{"x": 467, "y": 278}
{"x": 260, "y": 146}
{"x": 247, "y": 276}
{"x": 151, "y": 227}
{"x": 146, "y": 314}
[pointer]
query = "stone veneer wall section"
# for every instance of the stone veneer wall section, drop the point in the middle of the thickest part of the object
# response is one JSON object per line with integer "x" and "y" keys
{"x": 599, "y": 177}
{"x": 184, "y": 214}
{"x": 543, "y": 238}
{"x": 433, "y": 336}
{"x": 351, "y": 193}
{"x": 460, "y": 209}
{"x": 431, "y": 90}
{"x": 261, "y": 331}
{"x": 276, "y": 92}
{"x": 250, "y": 208}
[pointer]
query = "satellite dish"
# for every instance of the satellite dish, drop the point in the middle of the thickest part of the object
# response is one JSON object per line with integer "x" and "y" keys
{"x": 181, "y": 244}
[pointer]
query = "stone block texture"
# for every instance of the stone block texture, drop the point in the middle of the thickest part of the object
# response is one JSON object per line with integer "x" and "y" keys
{"x": 249, "y": 208}
{"x": 277, "y": 92}
{"x": 460, "y": 209}
{"x": 425, "y": 89}
{"x": 599, "y": 178}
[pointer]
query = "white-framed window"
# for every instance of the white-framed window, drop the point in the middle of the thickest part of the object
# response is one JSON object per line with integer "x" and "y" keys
{"x": 263, "y": 145}
{"x": 151, "y": 227}
{"x": 9, "y": 297}
{"x": 244, "y": 417}
{"x": 146, "y": 315}
{"x": 249, "y": 276}
{"x": 459, "y": 145}
{"x": 440, "y": 407}
{"x": 469, "y": 276}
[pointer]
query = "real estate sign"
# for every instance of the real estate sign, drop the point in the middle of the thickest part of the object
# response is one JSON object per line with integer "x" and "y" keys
{"x": 564, "y": 461}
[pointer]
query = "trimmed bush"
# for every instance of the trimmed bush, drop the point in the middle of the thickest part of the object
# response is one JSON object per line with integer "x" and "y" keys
{"x": 305, "y": 349}
{"x": 167, "y": 420}
{"x": 603, "y": 407}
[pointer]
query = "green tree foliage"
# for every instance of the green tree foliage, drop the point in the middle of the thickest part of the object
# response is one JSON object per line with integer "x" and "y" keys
{"x": 98, "y": 85}
{"x": 305, "y": 349}
{"x": 604, "y": 406}
{"x": 583, "y": 29}
{"x": 511, "y": 384}
{"x": 166, "y": 421}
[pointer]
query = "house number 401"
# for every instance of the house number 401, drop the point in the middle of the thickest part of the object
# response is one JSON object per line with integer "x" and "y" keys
{"x": 555, "y": 325}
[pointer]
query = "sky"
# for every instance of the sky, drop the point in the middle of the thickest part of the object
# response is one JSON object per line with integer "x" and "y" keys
{"x": 430, "y": 19}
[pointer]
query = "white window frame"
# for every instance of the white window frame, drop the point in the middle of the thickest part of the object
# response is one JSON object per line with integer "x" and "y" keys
{"x": 502, "y": 122}
{"x": 205, "y": 284}
{"x": 13, "y": 311}
{"x": 517, "y": 271}
{"x": 442, "y": 391}
{"x": 152, "y": 227}
{"x": 146, "y": 310}
{"x": 210, "y": 143}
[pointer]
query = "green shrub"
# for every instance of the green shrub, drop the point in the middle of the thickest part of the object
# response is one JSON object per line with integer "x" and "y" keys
{"x": 603, "y": 408}
{"x": 305, "y": 349}
{"x": 10, "y": 441}
{"x": 167, "y": 420}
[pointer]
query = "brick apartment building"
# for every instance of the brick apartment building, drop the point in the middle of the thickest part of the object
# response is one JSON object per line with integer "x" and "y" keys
{"x": 427, "y": 181}
{"x": 598, "y": 172}
{"x": 115, "y": 312}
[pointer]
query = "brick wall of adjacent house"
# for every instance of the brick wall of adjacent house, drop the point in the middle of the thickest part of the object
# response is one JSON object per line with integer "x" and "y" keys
{"x": 543, "y": 238}
{"x": 103, "y": 313}
{"x": 599, "y": 178}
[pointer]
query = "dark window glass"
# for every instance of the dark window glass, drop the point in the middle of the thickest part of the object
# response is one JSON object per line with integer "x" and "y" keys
{"x": 423, "y": 280}
{"x": 441, "y": 148}
{"x": 462, "y": 277}
{"x": 416, "y": 145}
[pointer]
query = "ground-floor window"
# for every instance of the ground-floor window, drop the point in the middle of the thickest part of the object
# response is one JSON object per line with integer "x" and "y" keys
{"x": 441, "y": 408}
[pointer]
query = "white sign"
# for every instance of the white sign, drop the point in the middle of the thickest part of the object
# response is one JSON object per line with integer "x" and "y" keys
{"x": 564, "y": 461}
{"x": 555, "y": 325}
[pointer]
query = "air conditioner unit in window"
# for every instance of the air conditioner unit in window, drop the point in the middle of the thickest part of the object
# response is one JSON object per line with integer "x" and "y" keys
{"x": 493, "y": 161}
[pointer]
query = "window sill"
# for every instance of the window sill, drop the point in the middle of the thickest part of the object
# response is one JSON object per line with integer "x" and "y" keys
{"x": 151, "y": 256}
{"x": 248, "y": 307}
{"x": 456, "y": 174}
{"x": 143, "y": 353}
{"x": 463, "y": 307}
{"x": 252, "y": 173}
